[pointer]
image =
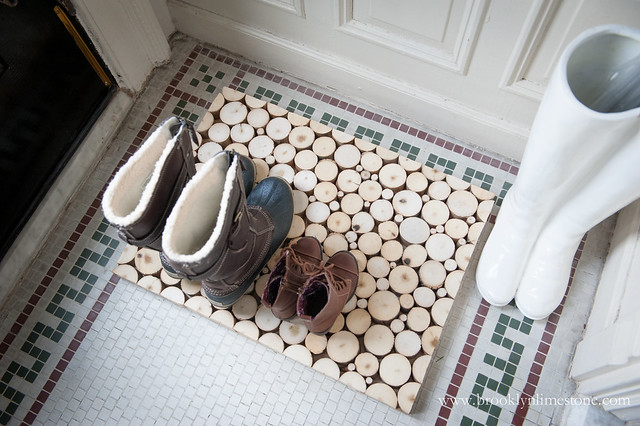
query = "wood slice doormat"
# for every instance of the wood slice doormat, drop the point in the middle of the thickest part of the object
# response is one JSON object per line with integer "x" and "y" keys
{"x": 411, "y": 228}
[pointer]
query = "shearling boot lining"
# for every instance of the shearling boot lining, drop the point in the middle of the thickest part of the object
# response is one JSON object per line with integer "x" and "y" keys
{"x": 128, "y": 195}
{"x": 195, "y": 225}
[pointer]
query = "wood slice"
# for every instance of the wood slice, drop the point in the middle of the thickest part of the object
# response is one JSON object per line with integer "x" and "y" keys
{"x": 395, "y": 369}
{"x": 366, "y": 285}
{"x": 382, "y": 284}
{"x": 341, "y": 137}
{"x": 233, "y": 113}
{"x": 462, "y": 203}
{"x": 325, "y": 192}
{"x": 407, "y": 203}
{"x": 276, "y": 111}
{"x": 147, "y": 261}
{"x": 414, "y": 255}
{"x": 284, "y": 171}
{"x": 387, "y": 155}
{"x": 315, "y": 343}
{"x": 432, "y": 174}
{"x": 328, "y": 367}
{"x": 440, "y": 310}
{"x": 378, "y": 267}
{"x": 430, "y": 339}
{"x": 371, "y": 162}
{"x": 334, "y": 243}
{"x": 292, "y": 333}
{"x": 232, "y": 95}
{"x": 239, "y": 148}
{"x": 347, "y": 156}
{"x": 301, "y": 137}
{"x": 450, "y": 265}
{"x": 351, "y": 203}
{"x": 403, "y": 279}
{"x": 223, "y": 317}
{"x": 305, "y": 160}
{"x": 424, "y": 297}
{"x": 484, "y": 210}
{"x": 408, "y": 164}
{"x": 441, "y": 292}
{"x": 242, "y": 133}
{"x": 391, "y": 250}
{"x": 247, "y": 329}
{"x": 316, "y": 230}
{"x": 452, "y": 283}
{"x": 339, "y": 222}
{"x": 265, "y": 320}
{"x": 366, "y": 364}
{"x": 343, "y": 347}
{"x": 262, "y": 169}
{"x": 273, "y": 341}
{"x": 418, "y": 319}
{"x": 324, "y": 147}
{"x": 278, "y": 129}
{"x": 360, "y": 258}
{"x": 417, "y": 182}
{"x": 245, "y": 308}
{"x": 254, "y": 103}
{"x": 358, "y": 321}
{"x": 150, "y": 283}
{"x": 190, "y": 287}
{"x": 338, "y": 324}
{"x": 364, "y": 146}
{"x": 474, "y": 232}
{"x": 439, "y": 190}
{"x": 383, "y": 393}
{"x": 167, "y": 279}
{"x": 435, "y": 212}
{"x": 349, "y": 181}
{"x": 317, "y": 212}
{"x": 381, "y": 210}
{"x": 370, "y": 190}
{"x": 261, "y": 146}
{"x": 128, "y": 254}
{"x": 205, "y": 123}
{"x": 173, "y": 294}
{"x": 407, "y": 395}
{"x": 457, "y": 184}
{"x": 258, "y": 118}
{"x": 378, "y": 340}
{"x": 456, "y": 228}
{"x": 362, "y": 222}
{"x": 326, "y": 170}
{"x": 219, "y": 133}
{"x": 407, "y": 343}
{"x": 297, "y": 120}
{"x": 383, "y": 305}
{"x": 354, "y": 380}
{"x": 481, "y": 194}
{"x": 300, "y": 201}
{"x": 217, "y": 104}
{"x": 370, "y": 243}
{"x": 432, "y": 274}
{"x": 300, "y": 354}
{"x": 414, "y": 230}
{"x": 388, "y": 230}
{"x": 319, "y": 128}
{"x": 396, "y": 326}
{"x": 392, "y": 176}
{"x": 419, "y": 367}
{"x": 199, "y": 305}
{"x": 440, "y": 247}
{"x": 208, "y": 150}
{"x": 463, "y": 255}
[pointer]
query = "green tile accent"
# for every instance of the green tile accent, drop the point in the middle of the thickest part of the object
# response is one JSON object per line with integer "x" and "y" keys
{"x": 194, "y": 82}
{"x": 466, "y": 421}
{"x": 335, "y": 122}
{"x": 492, "y": 384}
{"x": 483, "y": 180}
{"x": 496, "y": 338}
{"x": 503, "y": 192}
{"x": 203, "y": 68}
{"x": 435, "y": 162}
{"x": 266, "y": 94}
{"x": 489, "y": 359}
{"x": 301, "y": 109}
{"x": 492, "y": 421}
{"x": 500, "y": 329}
{"x": 220, "y": 75}
{"x": 369, "y": 134}
{"x": 405, "y": 149}
{"x": 500, "y": 364}
{"x": 510, "y": 368}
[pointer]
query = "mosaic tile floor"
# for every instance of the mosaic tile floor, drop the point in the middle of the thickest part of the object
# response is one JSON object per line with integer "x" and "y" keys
{"x": 80, "y": 346}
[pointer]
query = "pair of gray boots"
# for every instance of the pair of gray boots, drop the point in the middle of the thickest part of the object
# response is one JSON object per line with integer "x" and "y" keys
{"x": 211, "y": 225}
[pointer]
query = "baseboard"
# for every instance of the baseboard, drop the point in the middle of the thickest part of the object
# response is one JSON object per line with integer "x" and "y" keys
{"x": 418, "y": 104}
{"x": 26, "y": 246}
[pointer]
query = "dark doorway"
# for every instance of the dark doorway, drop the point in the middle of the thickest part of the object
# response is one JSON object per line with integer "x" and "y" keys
{"x": 51, "y": 92}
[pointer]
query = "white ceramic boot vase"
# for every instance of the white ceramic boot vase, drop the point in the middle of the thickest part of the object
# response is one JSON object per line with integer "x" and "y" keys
{"x": 603, "y": 72}
{"x": 567, "y": 143}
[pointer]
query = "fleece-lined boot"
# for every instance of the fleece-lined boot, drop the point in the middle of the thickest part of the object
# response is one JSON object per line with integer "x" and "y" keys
{"x": 142, "y": 193}
{"x": 218, "y": 235}
{"x": 298, "y": 262}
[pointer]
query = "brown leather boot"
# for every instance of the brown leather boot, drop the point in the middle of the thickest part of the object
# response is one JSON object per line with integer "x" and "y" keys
{"x": 301, "y": 260}
{"x": 217, "y": 235}
{"x": 142, "y": 193}
{"x": 325, "y": 294}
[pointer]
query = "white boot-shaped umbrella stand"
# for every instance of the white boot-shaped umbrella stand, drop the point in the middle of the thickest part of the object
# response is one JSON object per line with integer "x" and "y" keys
{"x": 581, "y": 164}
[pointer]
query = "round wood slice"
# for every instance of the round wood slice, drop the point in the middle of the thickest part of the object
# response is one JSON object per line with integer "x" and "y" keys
{"x": 315, "y": 343}
{"x": 208, "y": 150}
{"x": 408, "y": 164}
{"x": 301, "y": 137}
{"x": 463, "y": 255}
{"x": 452, "y": 283}
{"x": 396, "y": 326}
{"x": 242, "y": 133}
{"x": 292, "y": 333}
{"x": 258, "y": 118}
{"x": 360, "y": 258}
{"x": 245, "y": 308}
{"x": 343, "y": 347}
{"x": 414, "y": 255}
{"x": 395, "y": 369}
{"x": 474, "y": 232}
{"x": 392, "y": 176}
{"x": 435, "y": 212}
{"x": 441, "y": 292}
{"x": 265, "y": 320}
{"x": 223, "y": 317}
{"x": 199, "y": 305}
{"x": 167, "y": 279}
{"x": 378, "y": 340}
{"x": 262, "y": 169}
{"x": 381, "y": 210}
{"x": 339, "y": 222}
{"x": 317, "y": 212}
{"x": 305, "y": 181}
{"x": 456, "y": 228}
{"x": 276, "y": 111}
{"x": 417, "y": 182}
{"x": 284, "y": 171}
{"x": 233, "y": 113}
{"x": 254, "y": 103}
{"x": 326, "y": 170}
{"x": 190, "y": 287}
{"x": 403, "y": 279}
{"x": 414, "y": 230}
{"x": 273, "y": 341}
{"x": 407, "y": 203}
{"x": 440, "y": 247}
{"x": 407, "y": 396}
{"x": 362, "y": 222}
{"x": 371, "y": 162}
{"x": 462, "y": 203}
{"x": 351, "y": 203}
{"x": 432, "y": 174}
{"x": 424, "y": 297}
{"x": 364, "y": 146}
{"x": 147, "y": 261}
{"x": 319, "y": 128}
{"x": 239, "y": 148}
{"x": 300, "y": 201}
{"x": 366, "y": 364}
{"x": 439, "y": 190}
{"x": 432, "y": 274}
{"x": 450, "y": 265}
{"x": 150, "y": 283}
{"x": 354, "y": 380}
{"x": 370, "y": 243}
{"x": 366, "y": 285}
{"x": 325, "y": 192}
{"x": 383, "y": 393}
{"x": 217, "y": 104}
{"x": 430, "y": 339}
{"x": 278, "y": 129}
{"x": 351, "y": 304}
{"x": 408, "y": 343}
{"x": 324, "y": 147}
{"x": 261, "y": 146}
{"x": 300, "y": 354}
{"x": 347, "y": 156}
{"x": 341, "y": 137}
{"x": 328, "y": 367}
{"x": 173, "y": 294}
{"x": 378, "y": 267}
{"x": 384, "y": 306}
{"x": 297, "y": 227}
{"x": 297, "y": 120}
{"x": 387, "y": 155}
{"x": 358, "y": 321}
{"x": 457, "y": 184}
{"x": 481, "y": 194}
{"x": 484, "y": 210}
{"x": 334, "y": 243}
{"x": 440, "y": 310}
{"x": 338, "y": 324}
{"x": 232, "y": 95}
{"x": 247, "y": 329}
{"x": 349, "y": 181}
{"x": 370, "y": 190}
{"x": 391, "y": 250}
{"x": 128, "y": 254}
{"x": 419, "y": 367}
{"x": 316, "y": 230}
{"x": 382, "y": 284}
{"x": 205, "y": 123}
{"x": 388, "y": 230}
{"x": 219, "y": 133}
{"x": 418, "y": 319}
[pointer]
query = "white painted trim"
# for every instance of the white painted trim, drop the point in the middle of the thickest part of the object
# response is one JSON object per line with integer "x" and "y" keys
{"x": 416, "y": 103}
{"x": 295, "y": 7}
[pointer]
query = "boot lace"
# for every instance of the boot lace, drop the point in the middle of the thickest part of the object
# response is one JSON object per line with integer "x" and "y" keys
{"x": 334, "y": 280}
{"x": 303, "y": 266}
